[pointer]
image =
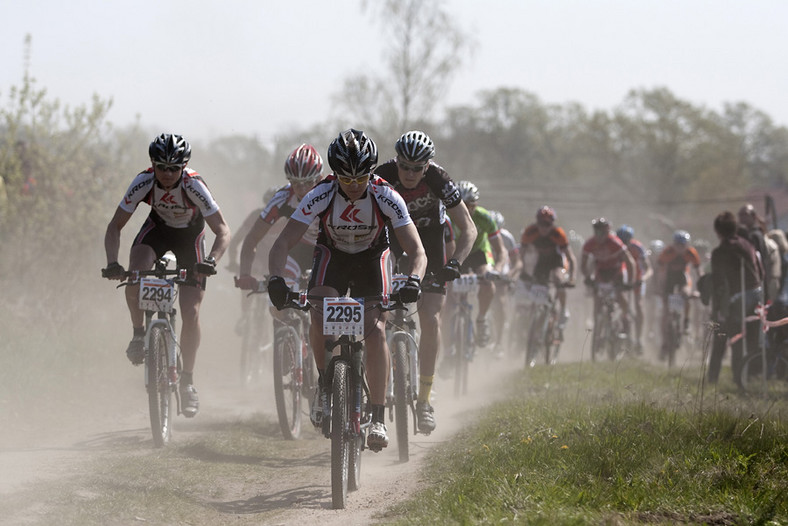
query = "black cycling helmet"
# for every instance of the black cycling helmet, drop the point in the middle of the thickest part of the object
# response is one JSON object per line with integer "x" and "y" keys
{"x": 168, "y": 148}
{"x": 352, "y": 154}
{"x": 415, "y": 147}
{"x": 600, "y": 223}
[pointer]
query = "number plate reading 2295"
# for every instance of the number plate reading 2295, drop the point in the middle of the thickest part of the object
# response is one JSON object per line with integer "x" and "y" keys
{"x": 343, "y": 316}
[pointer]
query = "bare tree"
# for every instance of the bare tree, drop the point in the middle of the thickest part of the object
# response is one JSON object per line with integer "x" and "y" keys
{"x": 423, "y": 50}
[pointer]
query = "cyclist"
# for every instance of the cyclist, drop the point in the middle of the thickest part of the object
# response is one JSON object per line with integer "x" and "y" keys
{"x": 643, "y": 272}
{"x": 352, "y": 206}
{"x": 555, "y": 261}
{"x": 431, "y": 195}
{"x": 673, "y": 270}
{"x": 610, "y": 258}
{"x": 181, "y": 205}
{"x": 503, "y": 292}
{"x": 303, "y": 169}
{"x": 487, "y": 253}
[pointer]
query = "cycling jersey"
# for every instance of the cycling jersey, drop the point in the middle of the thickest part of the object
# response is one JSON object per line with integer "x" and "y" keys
{"x": 185, "y": 205}
{"x": 549, "y": 249}
{"x": 672, "y": 261}
{"x": 638, "y": 252}
{"x": 608, "y": 256}
{"x": 428, "y": 201}
{"x": 283, "y": 204}
{"x": 353, "y": 227}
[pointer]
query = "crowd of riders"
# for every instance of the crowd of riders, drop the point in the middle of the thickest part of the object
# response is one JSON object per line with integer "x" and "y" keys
{"x": 349, "y": 228}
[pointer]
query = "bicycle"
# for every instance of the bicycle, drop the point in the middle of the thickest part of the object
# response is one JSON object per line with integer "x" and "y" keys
{"x": 610, "y": 332}
{"x": 346, "y": 416}
{"x": 544, "y": 335}
{"x": 765, "y": 371}
{"x": 255, "y": 340}
{"x": 462, "y": 337}
{"x": 674, "y": 330}
{"x": 293, "y": 366}
{"x": 162, "y": 363}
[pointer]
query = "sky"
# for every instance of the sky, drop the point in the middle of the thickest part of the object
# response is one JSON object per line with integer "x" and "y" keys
{"x": 257, "y": 67}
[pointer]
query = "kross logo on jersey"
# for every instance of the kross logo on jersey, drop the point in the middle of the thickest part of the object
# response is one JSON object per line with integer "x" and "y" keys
{"x": 168, "y": 198}
{"x": 351, "y": 214}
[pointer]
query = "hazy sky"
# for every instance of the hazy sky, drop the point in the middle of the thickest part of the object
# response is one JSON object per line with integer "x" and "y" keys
{"x": 258, "y": 67}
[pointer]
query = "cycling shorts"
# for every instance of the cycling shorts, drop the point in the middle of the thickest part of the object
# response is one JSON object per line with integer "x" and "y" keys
{"x": 188, "y": 244}
{"x": 366, "y": 273}
{"x": 545, "y": 265}
{"x": 475, "y": 259}
{"x": 675, "y": 279}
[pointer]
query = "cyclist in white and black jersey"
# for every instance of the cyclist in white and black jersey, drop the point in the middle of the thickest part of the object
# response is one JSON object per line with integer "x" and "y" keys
{"x": 352, "y": 206}
{"x": 431, "y": 195}
{"x": 503, "y": 291}
{"x": 181, "y": 205}
{"x": 303, "y": 168}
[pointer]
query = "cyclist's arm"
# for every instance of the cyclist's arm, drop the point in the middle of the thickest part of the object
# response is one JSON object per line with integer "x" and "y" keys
{"x": 235, "y": 242}
{"x": 629, "y": 262}
{"x": 570, "y": 256}
{"x": 648, "y": 270}
{"x": 288, "y": 238}
{"x": 584, "y": 265}
{"x": 409, "y": 240}
{"x": 499, "y": 252}
{"x": 219, "y": 227}
{"x": 249, "y": 247}
{"x": 461, "y": 219}
{"x": 112, "y": 236}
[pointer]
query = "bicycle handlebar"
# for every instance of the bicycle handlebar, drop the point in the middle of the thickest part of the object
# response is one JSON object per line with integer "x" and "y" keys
{"x": 301, "y": 301}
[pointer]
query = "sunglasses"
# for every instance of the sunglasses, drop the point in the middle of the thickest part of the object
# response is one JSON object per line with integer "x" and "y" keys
{"x": 410, "y": 167}
{"x": 361, "y": 180}
{"x": 168, "y": 167}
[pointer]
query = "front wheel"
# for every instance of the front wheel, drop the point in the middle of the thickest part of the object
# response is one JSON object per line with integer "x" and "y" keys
{"x": 340, "y": 434}
{"x": 536, "y": 338}
{"x": 601, "y": 334}
{"x": 159, "y": 388}
{"x": 773, "y": 383}
{"x": 399, "y": 360}
{"x": 288, "y": 380}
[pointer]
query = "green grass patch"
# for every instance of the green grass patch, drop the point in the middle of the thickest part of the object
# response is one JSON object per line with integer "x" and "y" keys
{"x": 611, "y": 444}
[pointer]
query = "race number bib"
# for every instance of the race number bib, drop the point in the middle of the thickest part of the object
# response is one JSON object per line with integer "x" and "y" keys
{"x": 397, "y": 281}
{"x": 539, "y": 294}
{"x": 465, "y": 283}
{"x": 676, "y": 303}
{"x": 343, "y": 316}
{"x": 156, "y": 295}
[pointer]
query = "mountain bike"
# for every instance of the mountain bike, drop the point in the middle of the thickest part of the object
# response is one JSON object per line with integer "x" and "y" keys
{"x": 544, "y": 335}
{"x": 347, "y": 416}
{"x": 162, "y": 363}
{"x": 673, "y": 329}
{"x": 254, "y": 329}
{"x": 462, "y": 337}
{"x": 610, "y": 334}
{"x": 293, "y": 366}
{"x": 766, "y": 373}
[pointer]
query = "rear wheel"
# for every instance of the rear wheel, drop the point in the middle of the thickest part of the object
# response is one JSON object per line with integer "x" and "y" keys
{"x": 399, "y": 361}
{"x": 287, "y": 381}
{"x": 159, "y": 389}
{"x": 340, "y": 434}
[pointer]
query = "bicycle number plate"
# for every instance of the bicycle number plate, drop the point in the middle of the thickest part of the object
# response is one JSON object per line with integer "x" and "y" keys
{"x": 156, "y": 295}
{"x": 343, "y": 316}
{"x": 539, "y": 294}
{"x": 522, "y": 296}
{"x": 397, "y": 281}
{"x": 606, "y": 289}
{"x": 465, "y": 283}
{"x": 676, "y": 303}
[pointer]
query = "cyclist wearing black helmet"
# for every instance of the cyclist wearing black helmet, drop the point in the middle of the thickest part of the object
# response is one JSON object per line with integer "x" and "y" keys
{"x": 352, "y": 207}
{"x": 181, "y": 205}
{"x": 431, "y": 195}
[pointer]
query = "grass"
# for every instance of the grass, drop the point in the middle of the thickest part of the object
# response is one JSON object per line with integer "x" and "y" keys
{"x": 610, "y": 444}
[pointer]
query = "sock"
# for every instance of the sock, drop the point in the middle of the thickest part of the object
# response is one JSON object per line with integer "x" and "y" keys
{"x": 187, "y": 378}
{"x": 425, "y": 388}
{"x": 378, "y": 413}
{"x": 139, "y": 332}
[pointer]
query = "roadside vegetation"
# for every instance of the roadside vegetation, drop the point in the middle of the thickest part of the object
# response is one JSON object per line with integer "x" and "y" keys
{"x": 607, "y": 443}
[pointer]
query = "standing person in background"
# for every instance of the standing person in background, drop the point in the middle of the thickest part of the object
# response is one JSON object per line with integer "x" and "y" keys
{"x": 727, "y": 260}
{"x": 643, "y": 272}
{"x": 430, "y": 195}
{"x": 181, "y": 205}
{"x": 487, "y": 253}
{"x": 753, "y": 228}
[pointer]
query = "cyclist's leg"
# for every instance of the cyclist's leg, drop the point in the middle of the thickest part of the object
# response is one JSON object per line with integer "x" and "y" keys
{"x": 430, "y": 307}
{"x": 637, "y": 298}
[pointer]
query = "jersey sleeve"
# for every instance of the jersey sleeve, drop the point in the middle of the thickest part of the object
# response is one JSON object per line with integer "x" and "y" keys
{"x": 197, "y": 191}
{"x": 559, "y": 237}
{"x": 137, "y": 191}
{"x": 442, "y": 185}
{"x": 530, "y": 234}
{"x": 392, "y": 205}
{"x": 315, "y": 201}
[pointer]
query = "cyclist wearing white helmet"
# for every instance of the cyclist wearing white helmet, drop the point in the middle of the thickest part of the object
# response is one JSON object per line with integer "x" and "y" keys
{"x": 181, "y": 205}
{"x": 353, "y": 207}
{"x": 433, "y": 199}
{"x": 643, "y": 272}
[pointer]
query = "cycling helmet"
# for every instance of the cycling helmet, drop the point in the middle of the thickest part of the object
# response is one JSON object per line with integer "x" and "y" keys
{"x": 656, "y": 246}
{"x": 681, "y": 237}
{"x": 304, "y": 164}
{"x": 170, "y": 149}
{"x": 625, "y": 233}
{"x": 497, "y": 217}
{"x": 415, "y": 147}
{"x": 468, "y": 191}
{"x": 600, "y": 223}
{"x": 546, "y": 215}
{"x": 352, "y": 154}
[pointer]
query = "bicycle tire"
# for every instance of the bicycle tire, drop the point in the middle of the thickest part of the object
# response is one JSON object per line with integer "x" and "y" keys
{"x": 536, "y": 338}
{"x": 776, "y": 384}
{"x": 252, "y": 355}
{"x": 673, "y": 341}
{"x": 600, "y": 334}
{"x": 159, "y": 389}
{"x": 340, "y": 427}
{"x": 357, "y": 443}
{"x": 287, "y": 381}
{"x": 401, "y": 389}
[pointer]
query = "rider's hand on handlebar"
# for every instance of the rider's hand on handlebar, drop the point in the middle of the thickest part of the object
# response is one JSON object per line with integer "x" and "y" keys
{"x": 410, "y": 291}
{"x": 207, "y": 267}
{"x": 277, "y": 291}
{"x": 246, "y": 282}
{"x": 114, "y": 270}
{"x": 449, "y": 272}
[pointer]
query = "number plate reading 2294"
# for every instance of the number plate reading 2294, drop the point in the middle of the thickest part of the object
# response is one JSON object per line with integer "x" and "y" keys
{"x": 156, "y": 295}
{"x": 343, "y": 316}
